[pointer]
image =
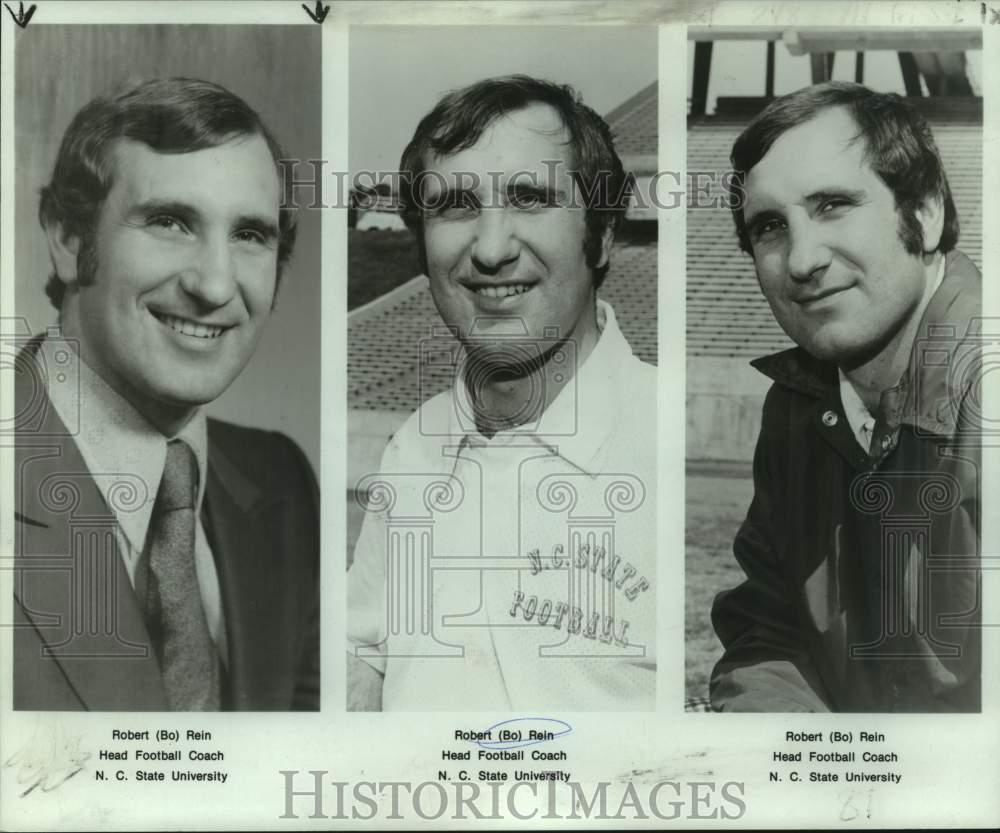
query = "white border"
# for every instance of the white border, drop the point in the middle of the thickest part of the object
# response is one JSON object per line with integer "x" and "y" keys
{"x": 951, "y": 765}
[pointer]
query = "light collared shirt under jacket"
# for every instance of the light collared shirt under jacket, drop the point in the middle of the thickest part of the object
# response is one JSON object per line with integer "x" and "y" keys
{"x": 126, "y": 456}
{"x": 862, "y": 591}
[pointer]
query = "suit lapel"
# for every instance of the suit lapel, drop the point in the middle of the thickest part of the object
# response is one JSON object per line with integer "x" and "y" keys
{"x": 70, "y": 579}
{"x": 240, "y": 540}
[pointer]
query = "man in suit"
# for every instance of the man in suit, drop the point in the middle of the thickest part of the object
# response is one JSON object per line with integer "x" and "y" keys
{"x": 164, "y": 561}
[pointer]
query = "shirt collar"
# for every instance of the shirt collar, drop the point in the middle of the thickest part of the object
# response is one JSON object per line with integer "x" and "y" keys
{"x": 858, "y": 416}
{"x": 581, "y": 417}
{"x": 861, "y": 420}
{"x": 942, "y": 367}
{"x": 117, "y": 442}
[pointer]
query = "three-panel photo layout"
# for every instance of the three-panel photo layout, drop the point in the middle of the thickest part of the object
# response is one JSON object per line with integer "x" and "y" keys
{"x": 482, "y": 521}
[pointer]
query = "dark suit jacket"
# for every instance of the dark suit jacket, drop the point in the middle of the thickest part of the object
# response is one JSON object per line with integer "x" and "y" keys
{"x": 80, "y": 641}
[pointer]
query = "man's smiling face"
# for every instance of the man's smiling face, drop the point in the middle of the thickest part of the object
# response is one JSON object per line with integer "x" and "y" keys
{"x": 186, "y": 262}
{"x": 504, "y": 236}
{"x": 826, "y": 243}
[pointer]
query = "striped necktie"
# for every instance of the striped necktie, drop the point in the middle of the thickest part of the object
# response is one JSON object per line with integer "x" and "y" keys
{"x": 175, "y": 615}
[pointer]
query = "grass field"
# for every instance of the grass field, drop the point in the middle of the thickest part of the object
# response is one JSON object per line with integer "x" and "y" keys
{"x": 378, "y": 261}
{"x": 715, "y": 508}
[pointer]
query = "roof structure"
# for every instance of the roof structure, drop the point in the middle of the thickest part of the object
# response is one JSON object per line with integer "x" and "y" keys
{"x": 635, "y": 125}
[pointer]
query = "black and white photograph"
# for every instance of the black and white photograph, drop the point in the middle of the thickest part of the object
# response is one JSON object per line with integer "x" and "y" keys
{"x": 167, "y": 511}
{"x": 436, "y": 415}
{"x": 502, "y": 348}
{"x": 833, "y": 385}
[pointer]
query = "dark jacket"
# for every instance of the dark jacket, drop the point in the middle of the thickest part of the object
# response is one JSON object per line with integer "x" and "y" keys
{"x": 80, "y": 640}
{"x": 862, "y": 592}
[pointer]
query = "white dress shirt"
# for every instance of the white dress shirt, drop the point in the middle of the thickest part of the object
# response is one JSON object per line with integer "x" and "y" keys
{"x": 125, "y": 455}
{"x": 858, "y": 416}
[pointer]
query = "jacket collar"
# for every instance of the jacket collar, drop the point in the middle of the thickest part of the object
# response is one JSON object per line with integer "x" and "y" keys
{"x": 943, "y": 361}
{"x": 47, "y": 456}
{"x": 114, "y": 437}
{"x": 54, "y": 491}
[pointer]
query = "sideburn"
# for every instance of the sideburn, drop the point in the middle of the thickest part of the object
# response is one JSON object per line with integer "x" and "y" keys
{"x": 86, "y": 259}
{"x": 909, "y": 230}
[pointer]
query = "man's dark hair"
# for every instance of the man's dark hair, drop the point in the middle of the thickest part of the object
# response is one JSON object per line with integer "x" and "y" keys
{"x": 170, "y": 115}
{"x": 899, "y": 148}
{"x": 461, "y": 117}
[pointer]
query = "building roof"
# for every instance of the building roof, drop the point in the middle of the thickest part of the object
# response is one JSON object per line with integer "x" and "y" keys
{"x": 635, "y": 124}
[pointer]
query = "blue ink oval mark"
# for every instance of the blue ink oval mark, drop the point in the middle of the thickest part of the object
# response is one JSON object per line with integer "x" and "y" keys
{"x": 525, "y": 731}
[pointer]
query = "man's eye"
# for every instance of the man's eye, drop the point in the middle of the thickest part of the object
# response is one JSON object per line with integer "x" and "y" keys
{"x": 833, "y": 204}
{"x": 250, "y": 236}
{"x": 766, "y": 228}
{"x": 457, "y": 205}
{"x": 166, "y": 222}
{"x": 528, "y": 200}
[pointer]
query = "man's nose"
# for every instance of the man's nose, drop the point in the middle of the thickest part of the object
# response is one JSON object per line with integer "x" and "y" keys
{"x": 496, "y": 242}
{"x": 808, "y": 253}
{"x": 211, "y": 278}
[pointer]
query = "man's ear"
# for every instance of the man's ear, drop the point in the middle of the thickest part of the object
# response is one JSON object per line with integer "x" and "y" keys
{"x": 63, "y": 250}
{"x": 930, "y": 215}
{"x": 607, "y": 238}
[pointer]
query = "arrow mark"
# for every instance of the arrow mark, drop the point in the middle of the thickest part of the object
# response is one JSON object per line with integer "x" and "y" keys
{"x": 320, "y": 14}
{"x": 23, "y": 18}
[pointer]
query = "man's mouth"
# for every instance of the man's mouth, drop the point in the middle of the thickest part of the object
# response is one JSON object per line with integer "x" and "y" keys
{"x": 501, "y": 291}
{"x": 816, "y": 297}
{"x": 187, "y": 327}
